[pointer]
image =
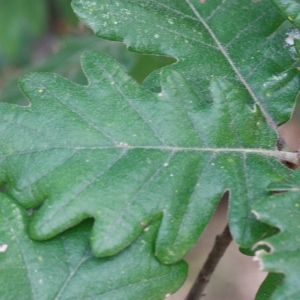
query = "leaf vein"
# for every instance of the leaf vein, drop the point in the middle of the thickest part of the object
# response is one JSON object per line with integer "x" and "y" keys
{"x": 157, "y": 135}
{"x": 133, "y": 199}
{"x": 142, "y": 281}
{"x": 215, "y": 10}
{"x": 30, "y": 130}
{"x": 260, "y": 63}
{"x": 83, "y": 118}
{"x": 185, "y": 215}
{"x": 268, "y": 118}
{"x": 247, "y": 204}
{"x": 86, "y": 256}
{"x": 54, "y": 212}
{"x": 169, "y": 8}
{"x": 23, "y": 253}
{"x": 282, "y": 155}
{"x": 172, "y": 31}
{"x": 60, "y": 163}
{"x": 249, "y": 25}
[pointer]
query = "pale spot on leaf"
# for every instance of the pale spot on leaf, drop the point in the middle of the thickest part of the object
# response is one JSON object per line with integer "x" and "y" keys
{"x": 3, "y": 248}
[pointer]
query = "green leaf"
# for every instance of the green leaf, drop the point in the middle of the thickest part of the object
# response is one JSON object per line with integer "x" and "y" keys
{"x": 120, "y": 154}
{"x": 64, "y": 267}
{"x": 267, "y": 288}
{"x": 21, "y": 22}
{"x": 240, "y": 40}
{"x": 283, "y": 210}
{"x": 290, "y": 9}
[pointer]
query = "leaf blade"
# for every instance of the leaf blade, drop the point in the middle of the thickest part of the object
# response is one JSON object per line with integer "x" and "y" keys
{"x": 119, "y": 144}
{"x": 64, "y": 267}
{"x": 205, "y": 42}
{"x": 173, "y": 171}
{"x": 269, "y": 285}
{"x": 281, "y": 210}
{"x": 290, "y": 10}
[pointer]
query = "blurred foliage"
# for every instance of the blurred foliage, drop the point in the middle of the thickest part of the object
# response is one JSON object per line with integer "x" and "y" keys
{"x": 21, "y": 22}
{"x": 24, "y": 21}
{"x": 47, "y": 37}
{"x": 64, "y": 11}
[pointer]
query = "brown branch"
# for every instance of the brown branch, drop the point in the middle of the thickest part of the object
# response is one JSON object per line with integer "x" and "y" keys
{"x": 221, "y": 243}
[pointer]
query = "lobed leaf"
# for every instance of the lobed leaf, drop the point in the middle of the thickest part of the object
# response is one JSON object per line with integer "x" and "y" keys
{"x": 126, "y": 155}
{"x": 120, "y": 154}
{"x": 64, "y": 268}
{"x": 282, "y": 210}
{"x": 239, "y": 40}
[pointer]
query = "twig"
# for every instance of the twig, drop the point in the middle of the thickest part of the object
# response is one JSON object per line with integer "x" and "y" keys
{"x": 221, "y": 243}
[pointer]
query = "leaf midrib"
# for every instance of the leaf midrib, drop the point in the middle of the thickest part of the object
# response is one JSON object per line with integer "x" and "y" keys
{"x": 282, "y": 155}
{"x": 87, "y": 255}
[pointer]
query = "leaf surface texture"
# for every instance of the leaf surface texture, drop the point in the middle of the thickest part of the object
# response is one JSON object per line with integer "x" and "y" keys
{"x": 290, "y": 10}
{"x": 65, "y": 268}
{"x": 282, "y": 210}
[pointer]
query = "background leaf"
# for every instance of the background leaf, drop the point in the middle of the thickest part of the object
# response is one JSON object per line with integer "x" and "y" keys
{"x": 66, "y": 62}
{"x": 64, "y": 267}
{"x": 21, "y": 21}
{"x": 64, "y": 11}
{"x": 270, "y": 284}
{"x": 282, "y": 210}
{"x": 290, "y": 9}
